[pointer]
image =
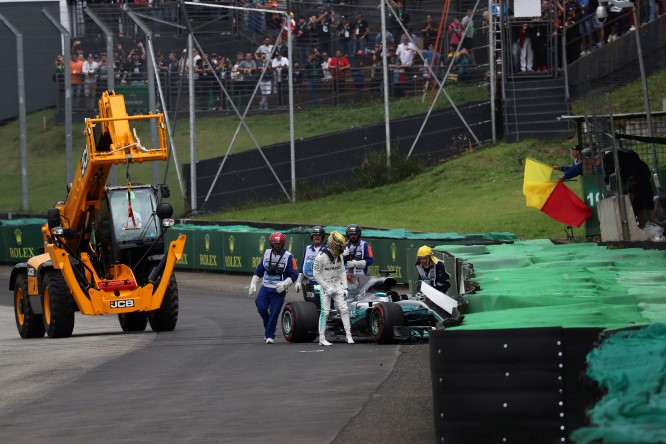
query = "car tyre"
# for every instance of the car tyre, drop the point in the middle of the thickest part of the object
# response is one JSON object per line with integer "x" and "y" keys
{"x": 383, "y": 317}
{"x": 299, "y": 321}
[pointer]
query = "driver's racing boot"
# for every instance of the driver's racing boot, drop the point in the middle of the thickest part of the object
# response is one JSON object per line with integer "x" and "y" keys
{"x": 323, "y": 341}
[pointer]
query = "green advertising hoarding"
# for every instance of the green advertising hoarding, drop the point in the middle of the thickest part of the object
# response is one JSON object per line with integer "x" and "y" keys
{"x": 186, "y": 262}
{"x": 136, "y": 97}
{"x": 389, "y": 254}
{"x": 21, "y": 239}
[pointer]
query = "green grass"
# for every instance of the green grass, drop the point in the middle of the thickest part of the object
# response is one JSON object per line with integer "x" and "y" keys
{"x": 478, "y": 192}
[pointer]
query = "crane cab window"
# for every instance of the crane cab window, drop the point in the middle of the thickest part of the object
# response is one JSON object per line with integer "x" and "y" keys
{"x": 137, "y": 221}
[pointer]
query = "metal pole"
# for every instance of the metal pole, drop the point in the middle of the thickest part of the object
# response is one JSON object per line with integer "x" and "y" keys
{"x": 646, "y": 98}
{"x": 151, "y": 86}
{"x": 173, "y": 153}
{"x": 618, "y": 176}
{"x": 292, "y": 144}
{"x": 193, "y": 149}
{"x": 110, "y": 75}
{"x": 108, "y": 34}
{"x": 492, "y": 56}
{"x": 23, "y": 127}
{"x": 387, "y": 117}
{"x": 68, "y": 95}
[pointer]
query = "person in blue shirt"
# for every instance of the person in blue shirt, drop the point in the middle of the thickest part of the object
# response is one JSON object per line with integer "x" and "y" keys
{"x": 278, "y": 269}
{"x": 317, "y": 234}
{"x": 576, "y": 169}
{"x": 359, "y": 253}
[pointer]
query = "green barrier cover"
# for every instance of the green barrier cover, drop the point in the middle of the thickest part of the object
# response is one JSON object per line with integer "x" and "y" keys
{"x": 21, "y": 239}
{"x": 538, "y": 284}
{"x": 629, "y": 366}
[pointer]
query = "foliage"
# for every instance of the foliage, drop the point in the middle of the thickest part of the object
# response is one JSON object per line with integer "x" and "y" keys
{"x": 373, "y": 172}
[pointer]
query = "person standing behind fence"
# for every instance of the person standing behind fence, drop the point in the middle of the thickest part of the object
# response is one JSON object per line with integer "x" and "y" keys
{"x": 266, "y": 75}
{"x": 455, "y": 31}
{"x": 361, "y": 32}
{"x": 345, "y": 39}
{"x": 281, "y": 67}
{"x": 278, "y": 270}
{"x": 249, "y": 70}
{"x": 313, "y": 75}
{"x": 469, "y": 29}
{"x": 339, "y": 66}
{"x": 325, "y": 22}
{"x": 77, "y": 77}
{"x": 90, "y": 71}
{"x": 173, "y": 79}
{"x": 429, "y": 32}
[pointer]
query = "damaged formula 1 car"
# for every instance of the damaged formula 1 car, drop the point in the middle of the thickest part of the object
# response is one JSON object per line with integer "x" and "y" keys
{"x": 376, "y": 311}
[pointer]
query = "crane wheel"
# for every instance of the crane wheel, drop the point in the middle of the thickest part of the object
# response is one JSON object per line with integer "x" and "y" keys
{"x": 135, "y": 321}
{"x": 58, "y": 306}
{"x": 166, "y": 317}
{"x": 29, "y": 324}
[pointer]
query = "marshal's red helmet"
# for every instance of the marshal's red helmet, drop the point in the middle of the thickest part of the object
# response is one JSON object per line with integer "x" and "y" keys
{"x": 277, "y": 240}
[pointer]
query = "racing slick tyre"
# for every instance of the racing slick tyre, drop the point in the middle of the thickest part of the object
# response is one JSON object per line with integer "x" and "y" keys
{"x": 383, "y": 317}
{"x": 58, "y": 306}
{"x": 299, "y": 321}
{"x": 166, "y": 317}
{"x": 29, "y": 324}
{"x": 135, "y": 321}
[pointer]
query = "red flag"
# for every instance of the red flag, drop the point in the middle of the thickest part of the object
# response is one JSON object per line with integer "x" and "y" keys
{"x": 564, "y": 206}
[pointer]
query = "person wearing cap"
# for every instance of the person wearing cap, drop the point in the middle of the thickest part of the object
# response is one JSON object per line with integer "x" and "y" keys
{"x": 361, "y": 32}
{"x": 430, "y": 269}
{"x": 325, "y": 22}
{"x": 345, "y": 41}
{"x": 358, "y": 254}
{"x": 90, "y": 70}
{"x": 576, "y": 169}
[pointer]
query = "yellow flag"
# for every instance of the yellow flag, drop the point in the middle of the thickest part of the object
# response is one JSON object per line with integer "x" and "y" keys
{"x": 537, "y": 185}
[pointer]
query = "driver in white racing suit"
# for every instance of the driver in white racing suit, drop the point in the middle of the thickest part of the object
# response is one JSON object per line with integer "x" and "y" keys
{"x": 329, "y": 272}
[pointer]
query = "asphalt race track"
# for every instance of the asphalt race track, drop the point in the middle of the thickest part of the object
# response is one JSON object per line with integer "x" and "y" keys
{"x": 212, "y": 380}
